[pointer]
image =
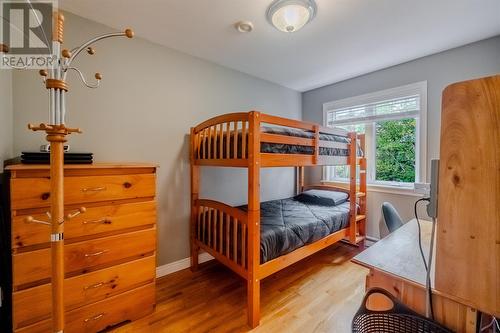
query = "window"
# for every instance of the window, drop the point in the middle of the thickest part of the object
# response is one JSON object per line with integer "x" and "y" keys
{"x": 394, "y": 124}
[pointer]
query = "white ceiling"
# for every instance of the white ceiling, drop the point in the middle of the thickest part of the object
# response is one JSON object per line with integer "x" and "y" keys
{"x": 346, "y": 39}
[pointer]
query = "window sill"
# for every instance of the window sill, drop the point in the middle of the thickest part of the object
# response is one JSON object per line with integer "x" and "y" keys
{"x": 378, "y": 188}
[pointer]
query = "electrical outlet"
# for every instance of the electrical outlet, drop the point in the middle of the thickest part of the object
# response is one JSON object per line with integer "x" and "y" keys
{"x": 423, "y": 188}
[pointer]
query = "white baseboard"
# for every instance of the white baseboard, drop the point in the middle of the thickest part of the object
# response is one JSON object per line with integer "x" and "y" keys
{"x": 180, "y": 265}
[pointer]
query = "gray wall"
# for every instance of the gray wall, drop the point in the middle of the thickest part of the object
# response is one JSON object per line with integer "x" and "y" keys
{"x": 463, "y": 63}
{"x": 149, "y": 98}
{"x": 6, "y": 115}
{"x": 151, "y": 95}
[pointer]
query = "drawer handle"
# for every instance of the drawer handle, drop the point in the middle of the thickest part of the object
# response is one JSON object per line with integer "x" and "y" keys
{"x": 95, "y": 254}
{"x": 94, "y": 189}
{"x": 100, "y": 284}
{"x": 100, "y": 221}
{"x": 94, "y": 286}
{"x": 94, "y": 318}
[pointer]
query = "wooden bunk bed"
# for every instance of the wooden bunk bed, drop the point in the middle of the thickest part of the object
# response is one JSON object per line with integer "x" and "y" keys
{"x": 245, "y": 140}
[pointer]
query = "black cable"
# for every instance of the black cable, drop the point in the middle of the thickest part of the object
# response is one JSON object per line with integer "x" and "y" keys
{"x": 429, "y": 290}
{"x": 420, "y": 230}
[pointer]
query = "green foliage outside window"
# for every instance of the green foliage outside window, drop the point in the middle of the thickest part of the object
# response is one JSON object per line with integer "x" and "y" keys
{"x": 395, "y": 152}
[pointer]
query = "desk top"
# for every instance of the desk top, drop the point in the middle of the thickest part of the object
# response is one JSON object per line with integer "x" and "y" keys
{"x": 398, "y": 253}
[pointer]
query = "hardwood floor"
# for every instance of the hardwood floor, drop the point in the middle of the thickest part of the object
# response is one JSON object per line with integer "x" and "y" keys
{"x": 318, "y": 294}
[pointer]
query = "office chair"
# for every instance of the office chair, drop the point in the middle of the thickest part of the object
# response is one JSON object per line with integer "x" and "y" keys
{"x": 391, "y": 217}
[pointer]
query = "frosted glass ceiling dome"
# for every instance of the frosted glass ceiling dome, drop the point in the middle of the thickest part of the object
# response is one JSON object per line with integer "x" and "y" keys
{"x": 291, "y": 15}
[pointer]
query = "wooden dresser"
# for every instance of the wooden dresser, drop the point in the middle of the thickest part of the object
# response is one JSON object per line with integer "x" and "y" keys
{"x": 110, "y": 250}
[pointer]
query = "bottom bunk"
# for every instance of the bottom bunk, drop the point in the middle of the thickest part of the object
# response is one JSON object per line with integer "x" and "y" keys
{"x": 285, "y": 224}
{"x": 285, "y": 231}
{"x": 288, "y": 224}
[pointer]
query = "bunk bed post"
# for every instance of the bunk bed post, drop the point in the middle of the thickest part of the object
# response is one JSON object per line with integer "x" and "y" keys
{"x": 253, "y": 264}
{"x": 316, "y": 144}
{"x": 362, "y": 185}
{"x": 352, "y": 186}
{"x": 301, "y": 179}
{"x": 195, "y": 186}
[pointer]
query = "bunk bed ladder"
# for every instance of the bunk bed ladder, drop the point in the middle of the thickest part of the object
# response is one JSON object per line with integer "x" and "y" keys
{"x": 357, "y": 190}
{"x": 362, "y": 189}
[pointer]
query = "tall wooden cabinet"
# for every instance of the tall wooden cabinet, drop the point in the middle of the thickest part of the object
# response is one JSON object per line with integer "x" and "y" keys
{"x": 468, "y": 232}
{"x": 110, "y": 250}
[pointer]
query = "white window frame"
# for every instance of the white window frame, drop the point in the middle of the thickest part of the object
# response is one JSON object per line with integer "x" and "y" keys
{"x": 418, "y": 88}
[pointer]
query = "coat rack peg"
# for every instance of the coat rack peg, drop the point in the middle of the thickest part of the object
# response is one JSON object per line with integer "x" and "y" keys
{"x": 73, "y": 130}
{"x": 31, "y": 219}
{"x": 41, "y": 127}
{"x": 80, "y": 210}
{"x": 43, "y": 73}
{"x": 66, "y": 53}
{"x": 82, "y": 77}
{"x": 129, "y": 33}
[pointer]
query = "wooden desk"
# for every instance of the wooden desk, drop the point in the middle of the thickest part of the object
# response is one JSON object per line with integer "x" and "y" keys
{"x": 396, "y": 265}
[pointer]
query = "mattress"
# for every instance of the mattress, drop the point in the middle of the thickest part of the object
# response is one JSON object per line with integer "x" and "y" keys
{"x": 288, "y": 224}
{"x": 276, "y": 148}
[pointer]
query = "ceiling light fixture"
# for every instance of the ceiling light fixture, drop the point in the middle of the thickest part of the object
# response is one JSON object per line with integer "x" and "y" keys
{"x": 291, "y": 15}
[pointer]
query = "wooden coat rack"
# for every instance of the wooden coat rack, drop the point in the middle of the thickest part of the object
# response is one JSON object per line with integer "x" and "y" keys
{"x": 56, "y": 130}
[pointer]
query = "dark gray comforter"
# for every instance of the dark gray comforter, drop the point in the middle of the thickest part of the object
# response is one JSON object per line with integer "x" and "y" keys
{"x": 288, "y": 224}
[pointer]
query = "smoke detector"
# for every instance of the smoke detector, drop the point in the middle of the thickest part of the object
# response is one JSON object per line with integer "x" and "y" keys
{"x": 244, "y": 26}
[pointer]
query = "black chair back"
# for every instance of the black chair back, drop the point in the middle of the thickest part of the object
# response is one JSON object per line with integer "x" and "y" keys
{"x": 391, "y": 217}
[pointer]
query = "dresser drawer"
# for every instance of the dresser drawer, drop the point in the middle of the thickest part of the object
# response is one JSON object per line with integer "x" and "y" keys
{"x": 35, "y": 192}
{"x": 95, "y": 317}
{"x": 33, "y": 267}
{"x": 130, "y": 305}
{"x": 34, "y": 304}
{"x": 94, "y": 221}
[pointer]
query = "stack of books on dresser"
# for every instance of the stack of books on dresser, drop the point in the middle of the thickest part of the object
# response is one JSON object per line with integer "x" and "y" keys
{"x": 44, "y": 158}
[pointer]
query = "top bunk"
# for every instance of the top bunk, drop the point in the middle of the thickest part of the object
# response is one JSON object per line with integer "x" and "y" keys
{"x": 236, "y": 139}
